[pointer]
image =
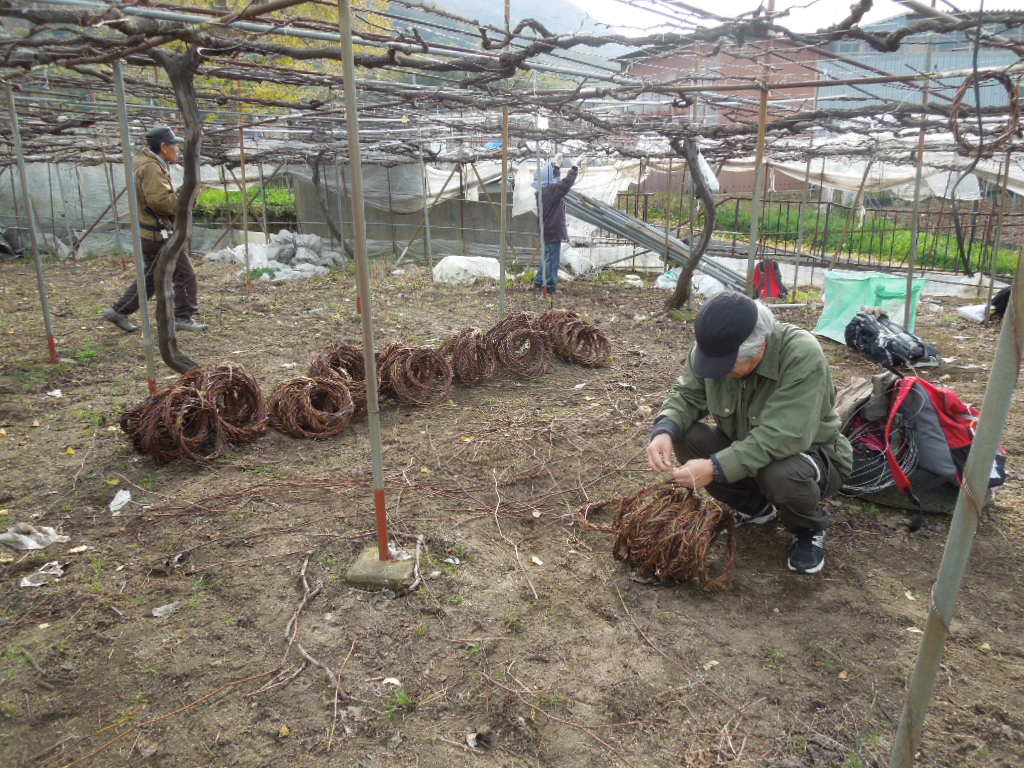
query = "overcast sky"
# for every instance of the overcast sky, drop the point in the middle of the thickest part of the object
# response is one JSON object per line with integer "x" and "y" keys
{"x": 814, "y": 16}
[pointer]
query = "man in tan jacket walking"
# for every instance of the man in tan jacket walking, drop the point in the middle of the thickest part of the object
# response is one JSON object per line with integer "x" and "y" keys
{"x": 158, "y": 202}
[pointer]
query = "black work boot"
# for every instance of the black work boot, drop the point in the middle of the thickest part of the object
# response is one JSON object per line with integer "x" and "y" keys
{"x": 807, "y": 553}
{"x": 121, "y": 321}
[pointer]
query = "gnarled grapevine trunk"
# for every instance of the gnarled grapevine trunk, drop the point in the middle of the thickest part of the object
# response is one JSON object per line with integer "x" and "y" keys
{"x": 682, "y": 291}
{"x": 181, "y": 70}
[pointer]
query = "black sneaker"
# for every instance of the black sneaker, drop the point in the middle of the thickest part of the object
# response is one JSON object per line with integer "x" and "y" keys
{"x": 764, "y": 515}
{"x": 121, "y": 321}
{"x": 807, "y": 554}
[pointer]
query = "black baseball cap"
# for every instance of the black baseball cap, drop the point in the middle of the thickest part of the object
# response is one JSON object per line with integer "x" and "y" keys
{"x": 723, "y": 324}
{"x": 164, "y": 135}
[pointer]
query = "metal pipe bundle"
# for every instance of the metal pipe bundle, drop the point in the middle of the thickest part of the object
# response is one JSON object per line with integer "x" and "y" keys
{"x": 645, "y": 235}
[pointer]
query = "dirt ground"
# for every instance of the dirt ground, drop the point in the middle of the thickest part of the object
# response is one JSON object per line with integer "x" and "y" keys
{"x": 526, "y": 631}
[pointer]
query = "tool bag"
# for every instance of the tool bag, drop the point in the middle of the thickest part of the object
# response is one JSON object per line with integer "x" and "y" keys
{"x": 943, "y": 426}
{"x": 875, "y": 335}
{"x": 918, "y": 435}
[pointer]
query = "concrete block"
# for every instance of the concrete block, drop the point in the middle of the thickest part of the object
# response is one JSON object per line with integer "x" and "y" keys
{"x": 368, "y": 572}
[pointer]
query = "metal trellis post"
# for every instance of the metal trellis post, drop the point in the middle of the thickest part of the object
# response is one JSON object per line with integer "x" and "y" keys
{"x": 51, "y": 342}
{"x": 969, "y": 503}
{"x": 759, "y": 180}
{"x": 133, "y": 217}
{"x": 426, "y": 209}
{"x": 915, "y": 225}
{"x": 363, "y": 276}
{"x": 339, "y": 200}
{"x": 503, "y": 214}
{"x": 244, "y": 189}
{"x": 263, "y": 203}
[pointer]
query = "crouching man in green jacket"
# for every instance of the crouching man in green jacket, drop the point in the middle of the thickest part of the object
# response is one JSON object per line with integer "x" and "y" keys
{"x": 775, "y": 447}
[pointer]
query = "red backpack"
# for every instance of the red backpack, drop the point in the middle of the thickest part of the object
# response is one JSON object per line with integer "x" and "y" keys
{"x": 768, "y": 280}
{"x": 943, "y": 428}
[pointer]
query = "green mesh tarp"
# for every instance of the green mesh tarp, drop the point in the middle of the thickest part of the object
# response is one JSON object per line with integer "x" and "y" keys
{"x": 846, "y": 293}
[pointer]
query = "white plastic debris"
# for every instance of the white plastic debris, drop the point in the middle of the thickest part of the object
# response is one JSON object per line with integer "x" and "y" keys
{"x": 289, "y": 366}
{"x": 121, "y": 498}
{"x": 667, "y": 280}
{"x": 397, "y": 553}
{"x": 480, "y": 740}
{"x": 46, "y": 574}
{"x": 575, "y": 262}
{"x": 707, "y": 286}
{"x": 975, "y": 312}
{"x": 163, "y": 611}
{"x": 79, "y": 550}
{"x": 55, "y": 393}
{"x": 634, "y": 281}
{"x": 463, "y": 270}
{"x": 25, "y": 536}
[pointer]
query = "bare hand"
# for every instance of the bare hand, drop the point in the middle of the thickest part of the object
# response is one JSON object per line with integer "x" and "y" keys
{"x": 660, "y": 454}
{"x": 696, "y": 473}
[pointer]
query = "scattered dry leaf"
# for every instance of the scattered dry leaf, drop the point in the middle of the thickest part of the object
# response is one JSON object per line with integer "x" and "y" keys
{"x": 709, "y": 665}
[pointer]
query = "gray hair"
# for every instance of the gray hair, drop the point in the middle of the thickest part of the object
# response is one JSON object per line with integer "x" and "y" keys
{"x": 762, "y": 330}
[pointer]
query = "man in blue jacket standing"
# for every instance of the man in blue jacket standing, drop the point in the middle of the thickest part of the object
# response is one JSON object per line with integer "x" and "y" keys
{"x": 553, "y": 194}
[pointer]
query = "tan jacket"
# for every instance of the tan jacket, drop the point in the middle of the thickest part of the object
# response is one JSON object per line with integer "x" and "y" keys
{"x": 153, "y": 184}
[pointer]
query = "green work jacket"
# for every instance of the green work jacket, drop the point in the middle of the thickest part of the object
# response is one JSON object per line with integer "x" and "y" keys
{"x": 785, "y": 407}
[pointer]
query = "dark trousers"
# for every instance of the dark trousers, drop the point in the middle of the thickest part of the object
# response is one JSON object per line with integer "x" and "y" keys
{"x": 795, "y": 485}
{"x": 185, "y": 285}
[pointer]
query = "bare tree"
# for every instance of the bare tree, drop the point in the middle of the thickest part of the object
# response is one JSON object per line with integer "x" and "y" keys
{"x": 181, "y": 69}
{"x": 692, "y": 154}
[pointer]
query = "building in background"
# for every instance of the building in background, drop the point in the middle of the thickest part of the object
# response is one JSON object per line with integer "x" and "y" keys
{"x": 950, "y": 52}
{"x": 707, "y": 66}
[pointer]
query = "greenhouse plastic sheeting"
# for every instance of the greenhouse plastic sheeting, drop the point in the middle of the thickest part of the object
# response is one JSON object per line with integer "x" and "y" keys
{"x": 847, "y": 292}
